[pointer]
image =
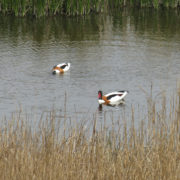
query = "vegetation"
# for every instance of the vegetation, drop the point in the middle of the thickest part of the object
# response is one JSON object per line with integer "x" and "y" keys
{"x": 75, "y": 7}
{"x": 56, "y": 149}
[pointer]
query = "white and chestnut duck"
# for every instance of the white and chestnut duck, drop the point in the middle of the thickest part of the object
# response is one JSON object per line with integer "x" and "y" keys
{"x": 113, "y": 98}
{"x": 61, "y": 68}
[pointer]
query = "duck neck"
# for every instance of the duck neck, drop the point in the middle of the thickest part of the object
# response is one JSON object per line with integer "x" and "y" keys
{"x": 100, "y": 107}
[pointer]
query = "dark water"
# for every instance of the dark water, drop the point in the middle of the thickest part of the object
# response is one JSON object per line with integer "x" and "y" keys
{"x": 126, "y": 50}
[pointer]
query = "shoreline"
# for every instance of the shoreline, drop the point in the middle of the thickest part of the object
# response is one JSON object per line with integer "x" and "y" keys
{"x": 79, "y": 8}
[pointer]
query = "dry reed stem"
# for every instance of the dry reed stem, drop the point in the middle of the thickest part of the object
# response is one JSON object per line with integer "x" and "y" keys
{"x": 151, "y": 151}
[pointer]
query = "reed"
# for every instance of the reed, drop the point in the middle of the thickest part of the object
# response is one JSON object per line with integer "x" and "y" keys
{"x": 57, "y": 149}
{"x": 76, "y": 7}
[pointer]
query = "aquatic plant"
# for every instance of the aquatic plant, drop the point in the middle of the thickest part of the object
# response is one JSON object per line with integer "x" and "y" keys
{"x": 75, "y": 7}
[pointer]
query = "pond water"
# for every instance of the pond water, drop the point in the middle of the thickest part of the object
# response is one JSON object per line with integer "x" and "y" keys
{"x": 125, "y": 50}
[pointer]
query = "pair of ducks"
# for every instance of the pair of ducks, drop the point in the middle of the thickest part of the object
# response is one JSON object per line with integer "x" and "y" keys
{"x": 113, "y": 98}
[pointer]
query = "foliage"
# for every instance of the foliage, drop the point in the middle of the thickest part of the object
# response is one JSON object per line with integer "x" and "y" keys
{"x": 75, "y": 7}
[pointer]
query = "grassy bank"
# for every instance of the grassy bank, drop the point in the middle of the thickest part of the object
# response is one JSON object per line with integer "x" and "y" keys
{"x": 76, "y": 7}
{"x": 57, "y": 151}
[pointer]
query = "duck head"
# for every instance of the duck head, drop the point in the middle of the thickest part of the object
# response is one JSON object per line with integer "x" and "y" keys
{"x": 54, "y": 72}
{"x": 100, "y": 100}
{"x": 57, "y": 70}
{"x": 99, "y": 94}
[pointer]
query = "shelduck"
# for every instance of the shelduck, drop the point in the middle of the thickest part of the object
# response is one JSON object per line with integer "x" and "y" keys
{"x": 113, "y": 98}
{"x": 61, "y": 68}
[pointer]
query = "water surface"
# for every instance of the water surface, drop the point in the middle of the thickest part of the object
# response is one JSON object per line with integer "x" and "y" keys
{"x": 125, "y": 50}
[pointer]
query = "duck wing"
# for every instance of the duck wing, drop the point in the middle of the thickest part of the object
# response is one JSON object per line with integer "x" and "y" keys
{"x": 111, "y": 96}
{"x": 60, "y": 65}
{"x": 63, "y": 66}
{"x": 116, "y": 95}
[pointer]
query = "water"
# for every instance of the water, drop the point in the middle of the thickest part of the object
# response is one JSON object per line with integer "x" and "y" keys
{"x": 127, "y": 50}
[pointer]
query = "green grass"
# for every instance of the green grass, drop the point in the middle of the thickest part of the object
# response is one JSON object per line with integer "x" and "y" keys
{"x": 76, "y": 7}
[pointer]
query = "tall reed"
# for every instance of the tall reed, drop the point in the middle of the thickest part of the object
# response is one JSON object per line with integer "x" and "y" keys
{"x": 75, "y": 7}
{"x": 57, "y": 149}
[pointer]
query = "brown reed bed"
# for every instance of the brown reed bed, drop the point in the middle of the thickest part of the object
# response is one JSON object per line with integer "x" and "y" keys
{"x": 56, "y": 149}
